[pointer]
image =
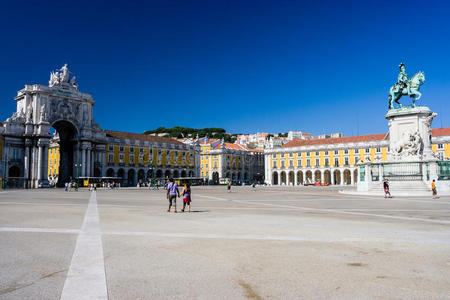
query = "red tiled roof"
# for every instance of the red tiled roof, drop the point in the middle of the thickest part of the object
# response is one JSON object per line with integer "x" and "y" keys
{"x": 440, "y": 131}
{"x": 341, "y": 140}
{"x": 208, "y": 142}
{"x": 355, "y": 139}
{"x": 232, "y": 146}
{"x": 140, "y": 137}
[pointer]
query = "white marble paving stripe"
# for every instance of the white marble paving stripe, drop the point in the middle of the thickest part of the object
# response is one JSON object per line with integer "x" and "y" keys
{"x": 39, "y": 229}
{"x": 333, "y": 211}
{"x": 41, "y": 203}
{"x": 86, "y": 278}
{"x": 275, "y": 237}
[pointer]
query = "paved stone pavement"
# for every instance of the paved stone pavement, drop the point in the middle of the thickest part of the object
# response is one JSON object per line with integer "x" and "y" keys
{"x": 271, "y": 243}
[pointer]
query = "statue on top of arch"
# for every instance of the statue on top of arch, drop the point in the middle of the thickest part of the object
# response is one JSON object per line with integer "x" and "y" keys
{"x": 61, "y": 77}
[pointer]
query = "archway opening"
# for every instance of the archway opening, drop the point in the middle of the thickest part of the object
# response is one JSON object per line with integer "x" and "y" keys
{"x": 355, "y": 175}
{"x": 291, "y": 178}
{"x": 275, "y": 178}
{"x": 317, "y": 176}
{"x": 13, "y": 177}
{"x": 308, "y": 177}
{"x": 110, "y": 173}
{"x": 283, "y": 178}
{"x": 327, "y": 177}
{"x": 158, "y": 174}
{"x": 215, "y": 176}
{"x": 337, "y": 177}
{"x": 347, "y": 177}
{"x": 131, "y": 174}
{"x": 299, "y": 177}
{"x": 141, "y": 176}
{"x": 65, "y": 141}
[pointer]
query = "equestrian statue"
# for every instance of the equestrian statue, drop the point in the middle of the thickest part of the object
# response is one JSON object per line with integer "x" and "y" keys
{"x": 406, "y": 87}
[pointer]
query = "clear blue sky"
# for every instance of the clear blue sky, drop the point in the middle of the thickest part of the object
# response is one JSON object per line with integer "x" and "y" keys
{"x": 247, "y": 66}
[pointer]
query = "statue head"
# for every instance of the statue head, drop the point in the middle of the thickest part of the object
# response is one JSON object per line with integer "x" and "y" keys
{"x": 402, "y": 67}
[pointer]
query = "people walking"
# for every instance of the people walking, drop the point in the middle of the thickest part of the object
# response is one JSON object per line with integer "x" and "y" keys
{"x": 433, "y": 188}
{"x": 229, "y": 186}
{"x": 172, "y": 193}
{"x": 66, "y": 188}
{"x": 387, "y": 193}
{"x": 186, "y": 193}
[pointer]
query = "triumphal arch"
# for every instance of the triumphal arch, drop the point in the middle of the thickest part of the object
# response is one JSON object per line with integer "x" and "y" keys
{"x": 27, "y": 133}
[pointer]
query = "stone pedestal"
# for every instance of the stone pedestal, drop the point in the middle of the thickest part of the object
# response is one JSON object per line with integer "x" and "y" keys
{"x": 406, "y": 126}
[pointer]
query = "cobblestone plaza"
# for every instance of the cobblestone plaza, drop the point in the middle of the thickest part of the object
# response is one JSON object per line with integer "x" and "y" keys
{"x": 268, "y": 243}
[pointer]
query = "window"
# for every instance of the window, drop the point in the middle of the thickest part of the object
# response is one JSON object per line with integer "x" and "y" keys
{"x": 346, "y": 151}
{"x": 317, "y": 162}
{"x": 16, "y": 154}
{"x": 346, "y": 161}
{"x": 274, "y": 163}
{"x": 131, "y": 159}
{"x": 440, "y": 146}
{"x": 141, "y": 150}
{"x": 336, "y": 152}
{"x": 326, "y": 152}
{"x": 378, "y": 150}
{"x": 131, "y": 150}
{"x": 317, "y": 152}
{"x": 308, "y": 163}
{"x": 367, "y": 150}
{"x": 291, "y": 163}
{"x": 336, "y": 162}
{"x": 110, "y": 158}
{"x": 326, "y": 162}
{"x": 121, "y": 157}
{"x": 111, "y": 148}
{"x": 121, "y": 149}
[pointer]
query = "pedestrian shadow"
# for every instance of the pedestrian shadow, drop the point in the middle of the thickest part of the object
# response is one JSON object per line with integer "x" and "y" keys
{"x": 198, "y": 211}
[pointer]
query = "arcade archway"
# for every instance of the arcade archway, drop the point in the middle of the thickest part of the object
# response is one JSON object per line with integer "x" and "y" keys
{"x": 66, "y": 138}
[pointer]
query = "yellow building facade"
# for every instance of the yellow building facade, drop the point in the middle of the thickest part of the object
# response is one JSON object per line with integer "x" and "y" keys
{"x": 138, "y": 158}
{"x": 333, "y": 161}
{"x": 221, "y": 162}
{"x": 53, "y": 159}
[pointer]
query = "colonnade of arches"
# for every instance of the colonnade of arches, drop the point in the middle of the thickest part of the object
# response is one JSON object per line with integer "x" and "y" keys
{"x": 131, "y": 177}
{"x": 324, "y": 176}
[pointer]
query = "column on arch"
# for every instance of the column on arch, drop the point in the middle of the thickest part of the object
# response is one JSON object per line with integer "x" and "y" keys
{"x": 83, "y": 160}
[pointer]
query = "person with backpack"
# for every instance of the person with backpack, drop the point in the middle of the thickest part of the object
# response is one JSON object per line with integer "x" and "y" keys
{"x": 172, "y": 193}
{"x": 186, "y": 193}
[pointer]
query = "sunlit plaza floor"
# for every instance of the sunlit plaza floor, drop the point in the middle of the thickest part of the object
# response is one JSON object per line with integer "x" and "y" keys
{"x": 268, "y": 243}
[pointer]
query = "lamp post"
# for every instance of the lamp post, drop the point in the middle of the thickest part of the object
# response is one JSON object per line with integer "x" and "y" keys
{"x": 4, "y": 174}
{"x": 77, "y": 167}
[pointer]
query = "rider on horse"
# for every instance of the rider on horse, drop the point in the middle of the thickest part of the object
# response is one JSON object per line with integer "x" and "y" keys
{"x": 403, "y": 79}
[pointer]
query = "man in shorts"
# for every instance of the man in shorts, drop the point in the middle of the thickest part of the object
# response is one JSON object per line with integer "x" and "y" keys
{"x": 172, "y": 193}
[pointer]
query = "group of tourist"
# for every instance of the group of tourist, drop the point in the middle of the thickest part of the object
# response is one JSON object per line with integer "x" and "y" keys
{"x": 71, "y": 185}
{"x": 173, "y": 192}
